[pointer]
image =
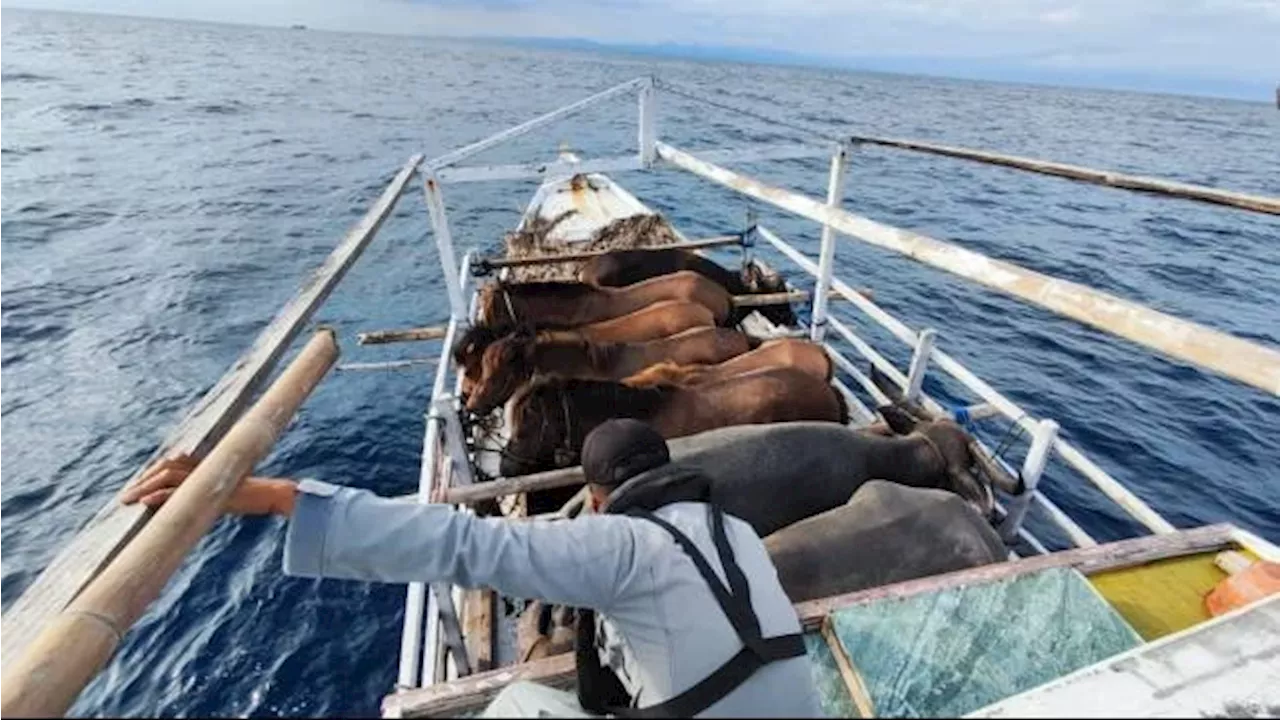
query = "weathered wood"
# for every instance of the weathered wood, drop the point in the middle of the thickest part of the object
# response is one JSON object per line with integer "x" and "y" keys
{"x": 470, "y": 694}
{"x": 1088, "y": 560}
{"x": 418, "y": 334}
{"x": 204, "y": 425}
{"x": 853, "y": 682}
{"x": 404, "y": 364}
{"x": 473, "y": 693}
{"x": 70, "y": 650}
{"x": 1257, "y": 203}
{"x": 478, "y": 608}
{"x": 487, "y": 265}
{"x": 548, "y": 480}
{"x": 1243, "y": 360}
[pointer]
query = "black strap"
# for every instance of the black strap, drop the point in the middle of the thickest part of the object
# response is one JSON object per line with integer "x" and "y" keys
{"x": 721, "y": 682}
{"x": 735, "y": 602}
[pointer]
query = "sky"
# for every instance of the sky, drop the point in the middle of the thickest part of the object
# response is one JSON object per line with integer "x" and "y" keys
{"x": 1236, "y": 41}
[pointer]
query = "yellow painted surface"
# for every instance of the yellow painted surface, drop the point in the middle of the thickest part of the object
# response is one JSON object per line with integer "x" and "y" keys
{"x": 1162, "y": 597}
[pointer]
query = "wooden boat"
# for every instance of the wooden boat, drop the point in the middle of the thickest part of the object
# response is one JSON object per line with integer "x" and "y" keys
{"x": 1080, "y": 614}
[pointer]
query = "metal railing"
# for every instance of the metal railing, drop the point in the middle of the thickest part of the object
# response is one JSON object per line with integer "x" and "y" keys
{"x": 1245, "y": 361}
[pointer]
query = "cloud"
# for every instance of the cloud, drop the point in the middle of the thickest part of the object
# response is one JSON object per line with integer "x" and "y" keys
{"x": 1222, "y": 38}
{"x": 1061, "y": 16}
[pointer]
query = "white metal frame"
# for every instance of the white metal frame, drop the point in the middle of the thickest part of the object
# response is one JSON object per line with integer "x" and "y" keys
{"x": 420, "y": 657}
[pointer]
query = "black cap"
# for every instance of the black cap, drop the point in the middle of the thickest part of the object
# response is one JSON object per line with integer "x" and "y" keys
{"x": 618, "y": 450}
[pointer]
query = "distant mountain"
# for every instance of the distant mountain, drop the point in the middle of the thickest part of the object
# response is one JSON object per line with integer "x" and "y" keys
{"x": 997, "y": 70}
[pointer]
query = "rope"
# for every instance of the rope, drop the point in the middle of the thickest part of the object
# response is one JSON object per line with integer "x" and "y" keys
{"x": 1006, "y": 442}
{"x": 675, "y": 90}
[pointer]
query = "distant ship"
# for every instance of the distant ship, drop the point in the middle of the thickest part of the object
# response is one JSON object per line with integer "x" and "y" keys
{"x": 298, "y": 27}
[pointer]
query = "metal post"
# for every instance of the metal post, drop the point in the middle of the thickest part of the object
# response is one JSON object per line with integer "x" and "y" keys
{"x": 416, "y": 596}
{"x": 826, "y": 259}
{"x": 1046, "y": 431}
{"x": 919, "y": 364}
{"x": 444, "y": 245}
{"x": 648, "y": 123}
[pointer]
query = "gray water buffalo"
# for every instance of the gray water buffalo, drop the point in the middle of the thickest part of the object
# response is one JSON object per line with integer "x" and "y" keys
{"x": 886, "y": 533}
{"x": 778, "y": 474}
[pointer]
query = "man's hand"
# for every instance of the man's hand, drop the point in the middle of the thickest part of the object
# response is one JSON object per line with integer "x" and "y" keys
{"x": 253, "y": 496}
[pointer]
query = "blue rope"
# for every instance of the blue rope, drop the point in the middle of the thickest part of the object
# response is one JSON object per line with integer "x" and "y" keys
{"x": 961, "y": 415}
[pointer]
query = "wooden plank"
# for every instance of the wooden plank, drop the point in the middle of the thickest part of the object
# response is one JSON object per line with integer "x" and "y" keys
{"x": 487, "y": 265}
{"x": 1088, "y": 560}
{"x": 467, "y": 695}
{"x": 418, "y": 334}
{"x": 478, "y": 607}
{"x": 790, "y": 296}
{"x": 404, "y": 364}
{"x": 1186, "y": 191}
{"x": 1234, "y": 357}
{"x": 77, "y": 642}
{"x": 115, "y": 524}
{"x": 548, "y": 480}
{"x": 853, "y": 682}
{"x": 473, "y": 693}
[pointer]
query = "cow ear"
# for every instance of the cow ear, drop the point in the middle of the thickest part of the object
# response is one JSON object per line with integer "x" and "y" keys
{"x": 899, "y": 420}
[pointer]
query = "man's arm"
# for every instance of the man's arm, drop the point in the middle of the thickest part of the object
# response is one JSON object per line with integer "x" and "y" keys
{"x": 354, "y": 534}
{"x": 346, "y": 533}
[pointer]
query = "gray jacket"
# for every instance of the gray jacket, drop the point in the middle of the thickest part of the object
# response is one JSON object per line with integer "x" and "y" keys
{"x": 663, "y": 630}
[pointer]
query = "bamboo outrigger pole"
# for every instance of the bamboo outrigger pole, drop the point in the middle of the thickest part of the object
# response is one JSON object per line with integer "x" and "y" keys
{"x": 69, "y": 651}
{"x": 1186, "y": 191}
{"x": 1248, "y": 362}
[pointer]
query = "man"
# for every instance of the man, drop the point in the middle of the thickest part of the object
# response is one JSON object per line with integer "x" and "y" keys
{"x": 693, "y": 620}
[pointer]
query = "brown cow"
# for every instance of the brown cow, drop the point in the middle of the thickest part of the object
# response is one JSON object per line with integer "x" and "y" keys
{"x": 619, "y": 268}
{"x": 550, "y": 417}
{"x": 659, "y": 320}
{"x": 803, "y": 355}
{"x": 569, "y": 304}
{"x": 512, "y": 361}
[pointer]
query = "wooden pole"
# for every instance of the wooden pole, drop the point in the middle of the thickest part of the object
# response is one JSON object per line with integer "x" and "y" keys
{"x": 1186, "y": 191}
{"x": 790, "y": 296}
{"x": 204, "y": 425}
{"x": 489, "y": 264}
{"x": 548, "y": 480}
{"x": 77, "y": 643}
{"x": 1242, "y": 360}
{"x": 418, "y": 334}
